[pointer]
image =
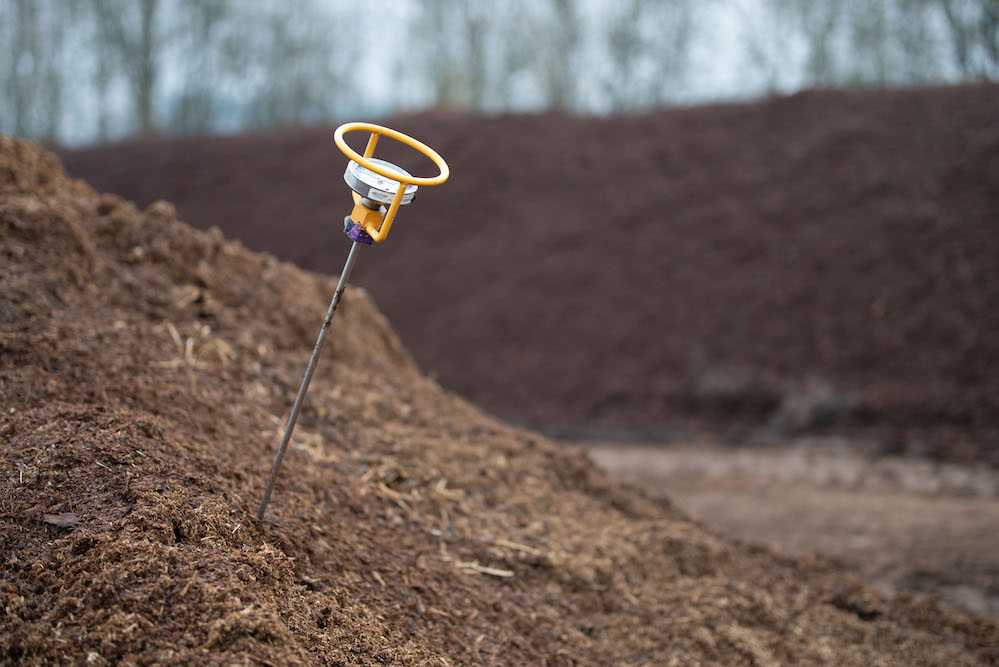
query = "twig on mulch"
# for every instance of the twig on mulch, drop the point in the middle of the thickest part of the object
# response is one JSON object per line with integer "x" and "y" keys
{"x": 482, "y": 569}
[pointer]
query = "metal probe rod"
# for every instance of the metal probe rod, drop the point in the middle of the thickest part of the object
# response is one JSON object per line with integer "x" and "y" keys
{"x": 304, "y": 388}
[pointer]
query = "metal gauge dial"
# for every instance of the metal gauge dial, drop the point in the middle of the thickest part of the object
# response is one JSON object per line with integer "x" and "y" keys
{"x": 377, "y": 188}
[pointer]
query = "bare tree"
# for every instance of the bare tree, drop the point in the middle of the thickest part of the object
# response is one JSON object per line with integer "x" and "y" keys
{"x": 24, "y": 61}
{"x": 52, "y": 79}
{"x": 130, "y": 29}
{"x": 871, "y": 41}
{"x": 818, "y": 22}
{"x": 513, "y": 57}
{"x": 146, "y": 65}
{"x": 974, "y": 32}
{"x": 767, "y": 33}
{"x": 917, "y": 42}
{"x": 563, "y": 37}
{"x": 625, "y": 50}
{"x": 648, "y": 49}
{"x": 104, "y": 66}
{"x": 869, "y": 34}
{"x": 300, "y": 79}
{"x": 475, "y": 24}
{"x": 676, "y": 25}
{"x": 200, "y": 27}
{"x": 454, "y": 38}
{"x": 439, "y": 63}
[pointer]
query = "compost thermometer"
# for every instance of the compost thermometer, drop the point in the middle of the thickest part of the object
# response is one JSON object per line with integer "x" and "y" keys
{"x": 376, "y": 184}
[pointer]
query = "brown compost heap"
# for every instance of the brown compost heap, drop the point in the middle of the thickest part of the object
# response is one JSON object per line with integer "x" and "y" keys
{"x": 145, "y": 368}
{"x": 824, "y": 260}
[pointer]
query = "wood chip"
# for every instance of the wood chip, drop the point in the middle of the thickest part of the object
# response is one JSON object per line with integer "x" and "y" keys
{"x": 523, "y": 548}
{"x": 64, "y": 520}
{"x": 482, "y": 569}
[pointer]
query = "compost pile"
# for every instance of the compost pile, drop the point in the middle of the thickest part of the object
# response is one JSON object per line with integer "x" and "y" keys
{"x": 146, "y": 368}
{"x": 710, "y": 264}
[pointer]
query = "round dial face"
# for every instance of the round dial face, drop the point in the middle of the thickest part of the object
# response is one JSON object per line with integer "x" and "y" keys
{"x": 368, "y": 184}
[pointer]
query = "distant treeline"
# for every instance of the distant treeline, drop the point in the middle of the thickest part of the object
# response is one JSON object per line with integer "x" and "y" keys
{"x": 96, "y": 69}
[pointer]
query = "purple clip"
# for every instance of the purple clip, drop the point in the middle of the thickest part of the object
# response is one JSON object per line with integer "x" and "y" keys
{"x": 356, "y": 233}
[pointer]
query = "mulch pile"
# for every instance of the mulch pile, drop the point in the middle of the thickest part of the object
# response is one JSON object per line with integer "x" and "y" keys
{"x": 832, "y": 256}
{"x": 145, "y": 369}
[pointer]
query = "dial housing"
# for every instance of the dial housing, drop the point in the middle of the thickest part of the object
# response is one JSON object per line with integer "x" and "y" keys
{"x": 375, "y": 187}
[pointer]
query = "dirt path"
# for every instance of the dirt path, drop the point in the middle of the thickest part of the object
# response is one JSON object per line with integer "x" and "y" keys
{"x": 905, "y": 525}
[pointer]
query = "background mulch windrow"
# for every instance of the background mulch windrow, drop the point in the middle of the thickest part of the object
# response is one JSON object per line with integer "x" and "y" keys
{"x": 145, "y": 368}
{"x": 632, "y": 274}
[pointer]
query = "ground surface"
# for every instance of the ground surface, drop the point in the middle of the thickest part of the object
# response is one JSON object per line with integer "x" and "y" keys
{"x": 903, "y": 525}
{"x": 826, "y": 257}
{"x": 145, "y": 369}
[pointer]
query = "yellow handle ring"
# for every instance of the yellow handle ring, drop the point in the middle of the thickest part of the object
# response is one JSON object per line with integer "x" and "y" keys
{"x": 378, "y": 130}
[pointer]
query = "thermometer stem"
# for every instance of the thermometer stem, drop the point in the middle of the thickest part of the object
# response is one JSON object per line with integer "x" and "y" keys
{"x": 303, "y": 389}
